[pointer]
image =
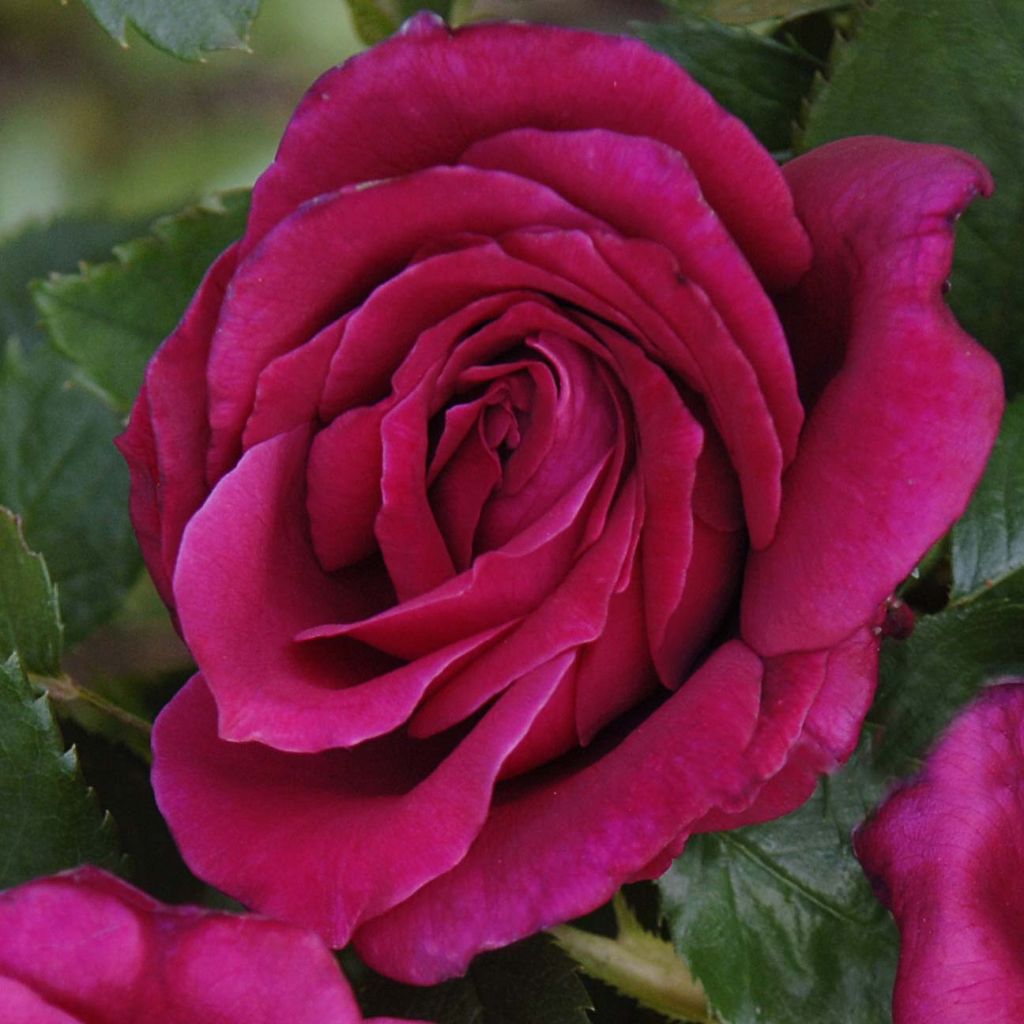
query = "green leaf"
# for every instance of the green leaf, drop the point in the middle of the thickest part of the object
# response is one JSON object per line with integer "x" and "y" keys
{"x": 184, "y": 28}
{"x": 747, "y": 12}
{"x": 410, "y": 7}
{"x": 638, "y": 964}
{"x": 61, "y": 473}
{"x": 110, "y": 318}
{"x": 37, "y": 250}
{"x": 29, "y": 615}
{"x": 371, "y": 20}
{"x": 531, "y": 981}
{"x": 375, "y": 20}
{"x": 778, "y": 921}
{"x": 951, "y": 72}
{"x": 926, "y": 679}
{"x": 49, "y": 819}
{"x": 758, "y": 79}
{"x": 988, "y": 542}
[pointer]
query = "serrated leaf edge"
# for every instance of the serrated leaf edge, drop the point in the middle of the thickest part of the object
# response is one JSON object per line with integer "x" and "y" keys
{"x": 843, "y": 40}
{"x": 639, "y": 965}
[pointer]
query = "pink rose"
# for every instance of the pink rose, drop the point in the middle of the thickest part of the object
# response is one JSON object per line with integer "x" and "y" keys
{"x": 85, "y": 947}
{"x": 480, "y": 478}
{"x": 946, "y": 855}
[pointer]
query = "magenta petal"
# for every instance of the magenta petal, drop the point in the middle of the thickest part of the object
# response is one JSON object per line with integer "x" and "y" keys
{"x": 813, "y": 708}
{"x": 288, "y": 389}
{"x": 574, "y": 613}
{"x": 646, "y": 190}
{"x": 358, "y": 120}
{"x": 343, "y": 480}
{"x": 670, "y": 441}
{"x": 359, "y": 829}
{"x": 21, "y": 1005}
{"x": 900, "y": 435}
{"x": 165, "y": 443}
{"x": 411, "y": 543}
{"x": 615, "y": 672}
{"x": 327, "y": 255}
{"x": 460, "y": 492}
{"x": 566, "y": 841}
{"x": 106, "y": 953}
{"x": 499, "y": 588}
{"x": 946, "y": 853}
{"x": 247, "y": 548}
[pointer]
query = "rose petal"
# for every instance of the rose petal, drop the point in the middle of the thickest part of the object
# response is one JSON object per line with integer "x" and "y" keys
{"x": 343, "y": 482}
{"x": 105, "y": 952}
{"x": 288, "y": 389}
{"x": 522, "y": 76}
{"x": 573, "y": 613}
{"x": 166, "y": 439}
{"x": 411, "y": 543}
{"x": 674, "y": 321}
{"x": 328, "y": 254}
{"x": 825, "y": 713}
{"x": 901, "y": 433}
{"x": 338, "y": 819}
{"x": 566, "y": 840}
{"x": 499, "y": 588}
{"x": 23, "y": 1006}
{"x": 247, "y": 548}
{"x": 615, "y": 672}
{"x": 727, "y": 381}
{"x": 946, "y": 853}
{"x": 644, "y": 189}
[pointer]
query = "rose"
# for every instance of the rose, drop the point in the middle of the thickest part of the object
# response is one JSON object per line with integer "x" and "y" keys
{"x": 946, "y": 855}
{"x": 461, "y": 462}
{"x": 85, "y": 946}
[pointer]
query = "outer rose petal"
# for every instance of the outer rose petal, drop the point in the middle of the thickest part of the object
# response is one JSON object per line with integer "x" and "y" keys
{"x": 359, "y": 829}
{"x": 900, "y": 435}
{"x": 410, "y": 95}
{"x": 165, "y": 443}
{"x": 946, "y": 854}
{"x": 566, "y": 840}
{"x": 84, "y": 946}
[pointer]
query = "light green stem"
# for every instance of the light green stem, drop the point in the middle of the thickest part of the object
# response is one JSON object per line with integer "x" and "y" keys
{"x": 641, "y": 966}
{"x": 64, "y": 689}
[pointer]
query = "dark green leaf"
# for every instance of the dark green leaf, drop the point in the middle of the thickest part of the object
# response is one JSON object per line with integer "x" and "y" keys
{"x": 121, "y": 781}
{"x": 29, "y": 615}
{"x": 49, "y": 820}
{"x": 952, "y": 72}
{"x": 375, "y": 20}
{"x": 988, "y": 542}
{"x": 531, "y": 981}
{"x": 39, "y": 249}
{"x": 185, "y": 28}
{"x": 110, "y": 318}
{"x": 777, "y": 920}
{"x": 61, "y": 473}
{"x": 410, "y": 7}
{"x": 926, "y": 679}
{"x": 746, "y": 12}
{"x": 371, "y": 20}
{"x": 758, "y": 79}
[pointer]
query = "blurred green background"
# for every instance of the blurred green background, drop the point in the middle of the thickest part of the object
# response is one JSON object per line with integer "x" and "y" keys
{"x": 87, "y": 124}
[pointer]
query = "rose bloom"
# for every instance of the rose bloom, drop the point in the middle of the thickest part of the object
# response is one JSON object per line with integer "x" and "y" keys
{"x": 529, "y": 480}
{"x": 946, "y": 855}
{"x": 85, "y": 948}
